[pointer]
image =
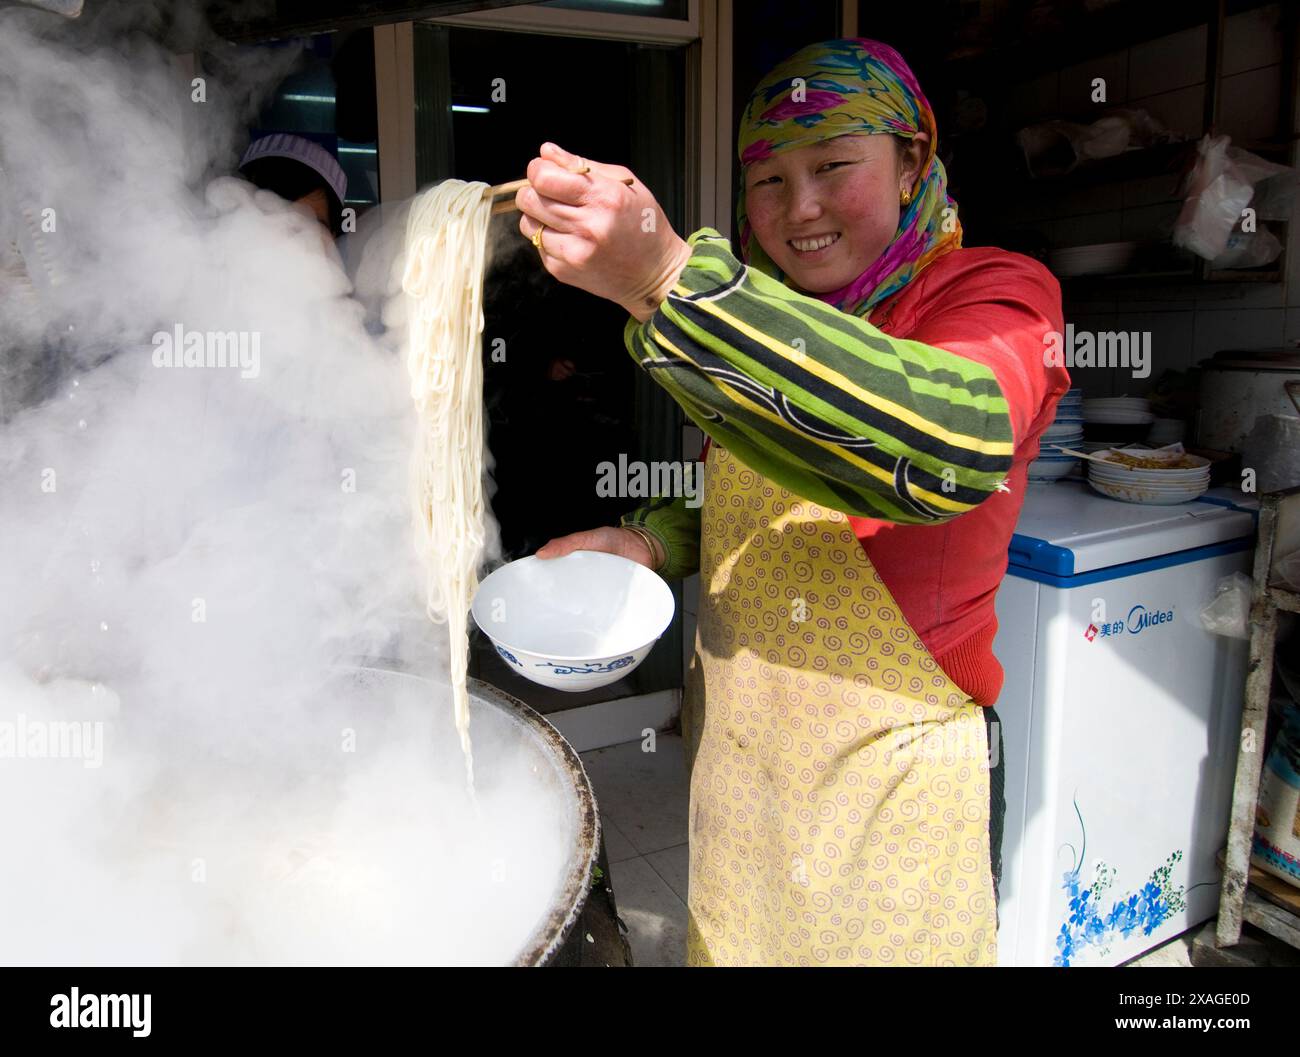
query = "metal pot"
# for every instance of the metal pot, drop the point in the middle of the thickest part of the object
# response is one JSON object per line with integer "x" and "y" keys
{"x": 552, "y": 761}
{"x": 1237, "y": 386}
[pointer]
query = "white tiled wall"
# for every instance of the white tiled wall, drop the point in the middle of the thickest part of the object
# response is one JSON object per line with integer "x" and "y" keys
{"x": 1250, "y": 40}
{"x": 1187, "y": 322}
{"x": 1076, "y": 85}
{"x": 1167, "y": 63}
{"x": 1249, "y": 103}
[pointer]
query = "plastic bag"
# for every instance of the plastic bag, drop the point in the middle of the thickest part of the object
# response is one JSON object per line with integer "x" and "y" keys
{"x": 1275, "y": 196}
{"x": 1228, "y": 612}
{"x": 1120, "y": 130}
{"x": 1249, "y": 249}
{"x": 1049, "y": 147}
{"x": 1215, "y": 199}
{"x": 1172, "y": 454}
{"x": 1053, "y": 148}
{"x": 1221, "y": 187}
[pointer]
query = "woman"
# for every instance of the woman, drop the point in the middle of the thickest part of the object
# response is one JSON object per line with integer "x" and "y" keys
{"x": 301, "y": 172}
{"x": 873, "y": 395}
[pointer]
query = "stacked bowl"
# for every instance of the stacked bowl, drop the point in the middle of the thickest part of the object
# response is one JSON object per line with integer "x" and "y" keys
{"x": 1066, "y": 431}
{"x": 1117, "y": 419}
{"x": 1160, "y": 486}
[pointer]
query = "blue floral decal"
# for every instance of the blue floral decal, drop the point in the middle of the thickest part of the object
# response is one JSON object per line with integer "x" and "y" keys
{"x": 1090, "y": 924}
{"x": 588, "y": 669}
{"x": 509, "y": 656}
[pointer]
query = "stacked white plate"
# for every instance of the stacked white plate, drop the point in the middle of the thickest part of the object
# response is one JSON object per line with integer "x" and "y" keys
{"x": 1066, "y": 431}
{"x": 1118, "y": 411}
{"x": 1156, "y": 487}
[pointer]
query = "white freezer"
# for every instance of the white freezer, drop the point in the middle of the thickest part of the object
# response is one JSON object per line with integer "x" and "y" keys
{"x": 1120, "y": 717}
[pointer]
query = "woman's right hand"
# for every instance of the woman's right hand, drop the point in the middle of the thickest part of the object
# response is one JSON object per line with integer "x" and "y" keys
{"x": 607, "y": 539}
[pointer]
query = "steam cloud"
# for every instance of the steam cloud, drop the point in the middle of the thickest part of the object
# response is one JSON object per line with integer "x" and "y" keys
{"x": 192, "y": 557}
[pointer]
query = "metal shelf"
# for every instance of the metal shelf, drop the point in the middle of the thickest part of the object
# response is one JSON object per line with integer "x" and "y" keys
{"x": 1161, "y": 159}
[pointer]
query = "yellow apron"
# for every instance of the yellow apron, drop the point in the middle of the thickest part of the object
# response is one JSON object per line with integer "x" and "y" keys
{"x": 839, "y": 810}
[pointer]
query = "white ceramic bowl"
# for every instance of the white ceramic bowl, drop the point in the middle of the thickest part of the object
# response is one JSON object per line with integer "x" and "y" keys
{"x": 573, "y": 623}
{"x": 1051, "y": 469}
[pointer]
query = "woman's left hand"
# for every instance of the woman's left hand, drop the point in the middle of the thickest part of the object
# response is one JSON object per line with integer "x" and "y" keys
{"x": 601, "y": 235}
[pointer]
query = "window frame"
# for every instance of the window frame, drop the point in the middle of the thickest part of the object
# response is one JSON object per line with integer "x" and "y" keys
{"x": 707, "y": 33}
{"x": 530, "y": 18}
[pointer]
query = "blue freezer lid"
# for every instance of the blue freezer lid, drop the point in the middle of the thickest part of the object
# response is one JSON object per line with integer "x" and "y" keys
{"x": 1067, "y": 530}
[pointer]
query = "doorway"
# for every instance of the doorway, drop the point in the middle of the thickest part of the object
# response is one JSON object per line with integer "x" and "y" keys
{"x": 562, "y": 394}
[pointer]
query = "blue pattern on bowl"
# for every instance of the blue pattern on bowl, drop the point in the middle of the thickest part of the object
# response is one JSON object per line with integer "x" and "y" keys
{"x": 587, "y": 669}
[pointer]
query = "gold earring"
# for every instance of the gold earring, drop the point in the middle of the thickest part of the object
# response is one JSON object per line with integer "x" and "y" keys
{"x": 907, "y": 198}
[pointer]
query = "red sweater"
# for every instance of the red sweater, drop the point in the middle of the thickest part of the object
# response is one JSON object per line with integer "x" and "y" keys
{"x": 992, "y": 306}
{"x": 995, "y": 307}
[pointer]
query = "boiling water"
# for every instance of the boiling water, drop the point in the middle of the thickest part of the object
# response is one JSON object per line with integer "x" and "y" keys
{"x": 377, "y": 859}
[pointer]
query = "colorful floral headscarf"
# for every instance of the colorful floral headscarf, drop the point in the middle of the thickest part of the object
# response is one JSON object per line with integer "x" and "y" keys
{"x": 852, "y": 86}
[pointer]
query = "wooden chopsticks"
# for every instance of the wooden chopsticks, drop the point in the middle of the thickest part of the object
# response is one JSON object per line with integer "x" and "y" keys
{"x": 506, "y": 192}
{"x": 507, "y": 204}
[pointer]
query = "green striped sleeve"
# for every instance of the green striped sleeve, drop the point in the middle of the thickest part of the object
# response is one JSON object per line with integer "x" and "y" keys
{"x": 820, "y": 401}
{"x": 676, "y": 525}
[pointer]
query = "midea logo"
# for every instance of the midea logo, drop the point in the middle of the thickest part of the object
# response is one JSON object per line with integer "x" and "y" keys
{"x": 1140, "y": 618}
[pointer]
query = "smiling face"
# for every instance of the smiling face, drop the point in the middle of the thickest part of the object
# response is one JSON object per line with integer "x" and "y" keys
{"x": 825, "y": 212}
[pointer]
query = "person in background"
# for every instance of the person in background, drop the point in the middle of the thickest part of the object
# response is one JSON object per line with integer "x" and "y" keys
{"x": 873, "y": 394}
{"x": 301, "y": 172}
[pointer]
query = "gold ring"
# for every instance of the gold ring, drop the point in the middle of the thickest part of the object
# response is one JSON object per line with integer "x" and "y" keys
{"x": 536, "y": 239}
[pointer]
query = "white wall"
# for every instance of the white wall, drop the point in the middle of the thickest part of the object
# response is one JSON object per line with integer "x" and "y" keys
{"x": 1188, "y": 322}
